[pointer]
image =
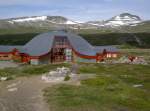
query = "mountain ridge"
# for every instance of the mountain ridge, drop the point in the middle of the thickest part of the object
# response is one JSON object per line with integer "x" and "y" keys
{"x": 124, "y": 21}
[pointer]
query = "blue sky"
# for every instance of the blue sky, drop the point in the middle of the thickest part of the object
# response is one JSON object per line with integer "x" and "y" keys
{"x": 80, "y": 10}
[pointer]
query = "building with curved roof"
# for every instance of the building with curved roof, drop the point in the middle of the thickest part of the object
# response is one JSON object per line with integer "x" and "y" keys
{"x": 57, "y": 46}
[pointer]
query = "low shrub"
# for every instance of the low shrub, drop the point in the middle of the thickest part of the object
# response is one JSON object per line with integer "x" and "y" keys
{"x": 67, "y": 78}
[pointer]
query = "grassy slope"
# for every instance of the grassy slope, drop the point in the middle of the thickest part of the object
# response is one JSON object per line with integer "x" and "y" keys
{"x": 111, "y": 90}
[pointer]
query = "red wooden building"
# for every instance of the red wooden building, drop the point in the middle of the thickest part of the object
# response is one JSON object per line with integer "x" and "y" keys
{"x": 57, "y": 46}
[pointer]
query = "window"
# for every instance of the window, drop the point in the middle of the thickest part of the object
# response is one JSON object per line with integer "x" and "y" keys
{"x": 109, "y": 55}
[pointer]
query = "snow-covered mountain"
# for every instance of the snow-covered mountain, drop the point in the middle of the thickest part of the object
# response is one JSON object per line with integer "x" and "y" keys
{"x": 40, "y": 22}
{"x": 119, "y": 20}
{"x": 59, "y": 22}
{"x": 52, "y": 19}
{"x": 29, "y": 19}
{"x": 124, "y": 19}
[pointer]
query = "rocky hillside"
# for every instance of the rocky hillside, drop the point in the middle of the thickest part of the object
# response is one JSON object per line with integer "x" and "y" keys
{"x": 121, "y": 23}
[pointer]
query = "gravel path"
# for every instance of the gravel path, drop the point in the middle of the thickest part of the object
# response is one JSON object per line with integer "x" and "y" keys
{"x": 23, "y": 94}
{"x": 5, "y": 64}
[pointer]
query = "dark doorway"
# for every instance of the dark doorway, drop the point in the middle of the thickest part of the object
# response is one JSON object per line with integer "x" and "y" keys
{"x": 58, "y": 53}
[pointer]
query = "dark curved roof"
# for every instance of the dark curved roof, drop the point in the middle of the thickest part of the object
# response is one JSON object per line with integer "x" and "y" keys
{"x": 42, "y": 44}
{"x": 39, "y": 45}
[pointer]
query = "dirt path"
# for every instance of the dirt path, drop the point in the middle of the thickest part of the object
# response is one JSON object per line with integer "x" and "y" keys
{"x": 23, "y": 94}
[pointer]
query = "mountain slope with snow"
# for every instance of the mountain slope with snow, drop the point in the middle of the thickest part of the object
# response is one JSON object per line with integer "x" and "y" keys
{"x": 124, "y": 19}
{"x": 52, "y": 19}
{"x": 119, "y": 20}
{"x": 28, "y": 19}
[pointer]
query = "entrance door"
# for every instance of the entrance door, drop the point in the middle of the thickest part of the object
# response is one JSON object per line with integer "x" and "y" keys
{"x": 61, "y": 50}
{"x": 58, "y": 55}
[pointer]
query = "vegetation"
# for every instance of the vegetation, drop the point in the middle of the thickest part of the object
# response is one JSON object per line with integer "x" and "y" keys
{"x": 29, "y": 70}
{"x": 67, "y": 78}
{"x": 111, "y": 90}
{"x": 16, "y": 39}
{"x": 126, "y": 40}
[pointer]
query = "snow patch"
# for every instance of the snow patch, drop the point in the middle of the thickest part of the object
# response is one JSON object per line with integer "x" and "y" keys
{"x": 68, "y": 22}
{"x": 117, "y": 22}
{"x": 127, "y": 17}
{"x": 42, "y": 18}
{"x": 96, "y": 24}
{"x": 71, "y": 22}
{"x": 117, "y": 18}
{"x": 11, "y": 22}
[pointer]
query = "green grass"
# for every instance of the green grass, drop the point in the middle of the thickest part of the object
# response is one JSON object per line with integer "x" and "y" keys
{"x": 134, "y": 74}
{"x": 111, "y": 90}
{"x": 29, "y": 70}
